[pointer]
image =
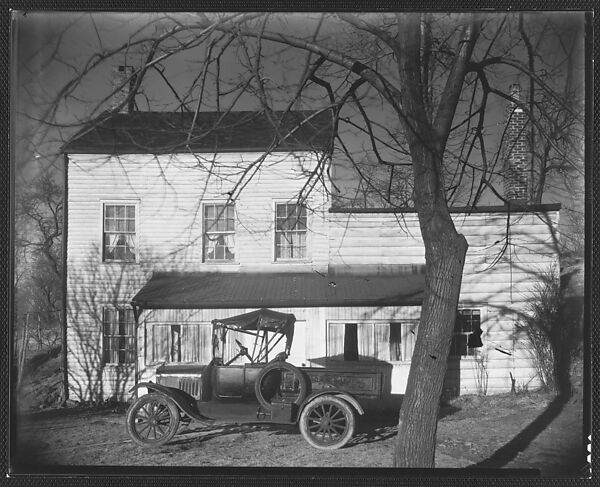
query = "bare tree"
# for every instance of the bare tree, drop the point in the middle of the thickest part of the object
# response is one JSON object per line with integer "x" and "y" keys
{"x": 420, "y": 90}
{"x": 39, "y": 223}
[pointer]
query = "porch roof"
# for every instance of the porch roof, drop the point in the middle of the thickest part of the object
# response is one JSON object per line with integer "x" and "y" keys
{"x": 195, "y": 290}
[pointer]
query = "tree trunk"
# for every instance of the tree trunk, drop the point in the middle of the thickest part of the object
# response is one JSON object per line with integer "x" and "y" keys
{"x": 445, "y": 251}
{"x": 23, "y": 352}
{"x": 417, "y": 426}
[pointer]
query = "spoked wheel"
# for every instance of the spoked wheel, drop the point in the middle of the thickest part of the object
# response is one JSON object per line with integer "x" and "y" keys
{"x": 152, "y": 420}
{"x": 327, "y": 423}
{"x": 280, "y": 381}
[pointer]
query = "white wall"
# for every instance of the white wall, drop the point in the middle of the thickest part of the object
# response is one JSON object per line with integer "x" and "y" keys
{"x": 498, "y": 278}
{"x": 168, "y": 191}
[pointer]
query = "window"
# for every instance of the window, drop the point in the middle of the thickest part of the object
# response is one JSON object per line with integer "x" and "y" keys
{"x": 118, "y": 233}
{"x": 290, "y": 231}
{"x": 118, "y": 336}
{"x": 219, "y": 232}
{"x": 181, "y": 343}
{"x": 387, "y": 342}
{"x": 467, "y": 333}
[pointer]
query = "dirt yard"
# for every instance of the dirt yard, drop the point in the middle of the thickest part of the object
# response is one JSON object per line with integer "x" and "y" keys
{"x": 530, "y": 430}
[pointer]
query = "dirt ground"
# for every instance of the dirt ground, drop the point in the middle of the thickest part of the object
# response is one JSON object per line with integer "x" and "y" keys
{"x": 525, "y": 431}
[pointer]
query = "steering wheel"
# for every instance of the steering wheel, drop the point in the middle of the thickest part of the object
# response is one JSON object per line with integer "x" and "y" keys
{"x": 243, "y": 350}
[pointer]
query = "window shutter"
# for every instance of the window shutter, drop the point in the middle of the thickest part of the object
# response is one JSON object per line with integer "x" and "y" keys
{"x": 409, "y": 337}
{"x": 382, "y": 342}
{"x": 366, "y": 345}
{"x": 335, "y": 341}
{"x": 195, "y": 343}
{"x": 160, "y": 343}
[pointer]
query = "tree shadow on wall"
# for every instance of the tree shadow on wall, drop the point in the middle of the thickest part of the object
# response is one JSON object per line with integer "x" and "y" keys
{"x": 93, "y": 287}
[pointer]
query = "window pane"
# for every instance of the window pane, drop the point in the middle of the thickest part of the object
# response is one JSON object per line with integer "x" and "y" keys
{"x": 290, "y": 231}
{"x": 119, "y": 233}
{"x": 281, "y": 211}
{"x": 109, "y": 250}
{"x": 467, "y": 334}
{"x": 110, "y": 225}
{"x": 230, "y": 223}
{"x": 118, "y": 336}
{"x": 175, "y": 354}
{"x": 119, "y": 253}
{"x": 218, "y": 237}
{"x": 395, "y": 341}
{"x": 122, "y": 330}
{"x": 300, "y": 245}
{"x": 130, "y": 245}
{"x": 283, "y": 224}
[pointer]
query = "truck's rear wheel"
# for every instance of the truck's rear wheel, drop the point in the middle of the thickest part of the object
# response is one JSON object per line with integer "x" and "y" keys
{"x": 152, "y": 420}
{"x": 327, "y": 422}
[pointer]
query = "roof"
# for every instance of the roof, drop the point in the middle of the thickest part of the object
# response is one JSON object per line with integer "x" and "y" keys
{"x": 274, "y": 290}
{"x": 510, "y": 208}
{"x": 169, "y": 132}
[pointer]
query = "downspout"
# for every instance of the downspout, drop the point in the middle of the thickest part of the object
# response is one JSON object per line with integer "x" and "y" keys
{"x": 64, "y": 283}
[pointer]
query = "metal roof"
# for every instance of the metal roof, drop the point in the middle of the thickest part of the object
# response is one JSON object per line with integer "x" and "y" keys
{"x": 275, "y": 290}
{"x": 173, "y": 132}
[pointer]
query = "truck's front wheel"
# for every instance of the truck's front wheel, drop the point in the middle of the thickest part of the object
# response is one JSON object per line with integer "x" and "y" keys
{"x": 152, "y": 420}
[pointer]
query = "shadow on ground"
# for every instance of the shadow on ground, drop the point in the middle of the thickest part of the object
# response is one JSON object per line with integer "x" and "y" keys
{"x": 192, "y": 435}
{"x": 368, "y": 430}
{"x": 520, "y": 442}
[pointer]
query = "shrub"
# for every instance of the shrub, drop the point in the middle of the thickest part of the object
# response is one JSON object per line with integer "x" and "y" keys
{"x": 552, "y": 323}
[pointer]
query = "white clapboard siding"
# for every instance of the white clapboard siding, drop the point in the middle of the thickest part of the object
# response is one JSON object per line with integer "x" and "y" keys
{"x": 168, "y": 192}
{"x": 169, "y": 197}
{"x": 503, "y": 289}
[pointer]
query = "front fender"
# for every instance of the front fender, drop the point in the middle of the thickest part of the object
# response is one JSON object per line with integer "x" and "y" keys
{"x": 334, "y": 392}
{"x": 184, "y": 401}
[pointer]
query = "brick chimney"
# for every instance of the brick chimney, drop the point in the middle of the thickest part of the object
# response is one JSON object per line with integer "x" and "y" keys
{"x": 516, "y": 184}
{"x": 121, "y": 88}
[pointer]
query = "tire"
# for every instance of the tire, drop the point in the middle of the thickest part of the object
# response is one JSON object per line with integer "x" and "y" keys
{"x": 327, "y": 422}
{"x": 268, "y": 385}
{"x": 152, "y": 420}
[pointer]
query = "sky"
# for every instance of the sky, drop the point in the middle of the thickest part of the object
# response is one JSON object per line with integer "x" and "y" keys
{"x": 49, "y": 49}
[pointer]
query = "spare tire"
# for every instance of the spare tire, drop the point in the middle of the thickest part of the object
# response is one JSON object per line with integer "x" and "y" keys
{"x": 280, "y": 382}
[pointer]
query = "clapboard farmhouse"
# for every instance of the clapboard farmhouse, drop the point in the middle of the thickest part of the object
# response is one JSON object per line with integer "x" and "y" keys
{"x": 169, "y": 227}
